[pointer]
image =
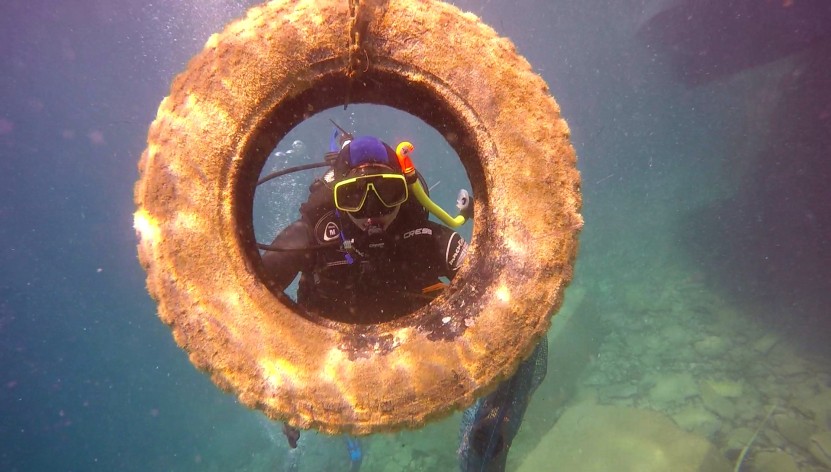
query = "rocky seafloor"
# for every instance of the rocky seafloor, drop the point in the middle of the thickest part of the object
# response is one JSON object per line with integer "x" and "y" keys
{"x": 749, "y": 387}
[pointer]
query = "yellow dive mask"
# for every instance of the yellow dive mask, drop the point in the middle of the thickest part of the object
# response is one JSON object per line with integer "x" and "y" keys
{"x": 351, "y": 194}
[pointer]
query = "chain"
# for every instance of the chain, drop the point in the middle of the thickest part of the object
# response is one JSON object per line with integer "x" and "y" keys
{"x": 357, "y": 29}
{"x": 358, "y": 59}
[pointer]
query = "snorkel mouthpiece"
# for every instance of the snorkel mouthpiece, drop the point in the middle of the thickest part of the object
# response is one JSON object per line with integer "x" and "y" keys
{"x": 403, "y": 152}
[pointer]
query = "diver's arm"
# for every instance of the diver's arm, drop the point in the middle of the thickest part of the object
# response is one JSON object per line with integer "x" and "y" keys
{"x": 283, "y": 266}
{"x": 452, "y": 249}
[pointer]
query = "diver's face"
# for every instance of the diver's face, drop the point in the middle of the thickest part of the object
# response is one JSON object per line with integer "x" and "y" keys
{"x": 374, "y": 216}
{"x": 375, "y": 224}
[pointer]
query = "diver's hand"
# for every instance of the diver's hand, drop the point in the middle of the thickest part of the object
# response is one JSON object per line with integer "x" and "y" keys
{"x": 464, "y": 202}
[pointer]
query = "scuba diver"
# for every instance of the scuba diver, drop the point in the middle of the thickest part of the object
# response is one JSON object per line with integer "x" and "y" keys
{"x": 373, "y": 254}
{"x": 367, "y": 253}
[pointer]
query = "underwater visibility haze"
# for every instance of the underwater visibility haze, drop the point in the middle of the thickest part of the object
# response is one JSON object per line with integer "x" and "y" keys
{"x": 694, "y": 335}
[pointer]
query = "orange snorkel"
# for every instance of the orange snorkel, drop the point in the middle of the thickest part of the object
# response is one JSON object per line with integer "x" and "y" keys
{"x": 402, "y": 151}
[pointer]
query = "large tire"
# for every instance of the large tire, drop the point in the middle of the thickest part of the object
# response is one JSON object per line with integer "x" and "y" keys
{"x": 252, "y": 83}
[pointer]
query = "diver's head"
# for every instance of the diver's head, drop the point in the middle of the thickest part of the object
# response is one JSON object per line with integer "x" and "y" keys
{"x": 369, "y": 186}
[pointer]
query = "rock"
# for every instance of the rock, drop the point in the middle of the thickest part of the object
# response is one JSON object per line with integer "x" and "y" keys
{"x": 725, "y": 388}
{"x": 818, "y": 407}
{"x": 821, "y": 447}
{"x": 795, "y": 430}
{"x": 596, "y": 438}
{"x": 698, "y": 421}
{"x": 771, "y": 436}
{"x": 673, "y": 388}
{"x": 716, "y": 403}
{"x": 738, "y": 438}
{"x": 749, "y": 409}
{"x": 619, "y": 391}
{"x": 711, "y": 346}
{"x": 790, "y": 365}
{"x": 778, "y": 461}
{"x": 764, "y": 344}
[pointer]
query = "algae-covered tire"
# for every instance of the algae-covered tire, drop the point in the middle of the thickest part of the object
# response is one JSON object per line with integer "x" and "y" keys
{"x": 244, "y": 91}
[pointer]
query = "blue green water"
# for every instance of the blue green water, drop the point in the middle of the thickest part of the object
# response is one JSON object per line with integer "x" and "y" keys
{"x": 703, "y": 139}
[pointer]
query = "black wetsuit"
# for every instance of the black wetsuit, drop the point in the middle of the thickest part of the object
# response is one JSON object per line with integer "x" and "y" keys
{"x": 382, "y": 277}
